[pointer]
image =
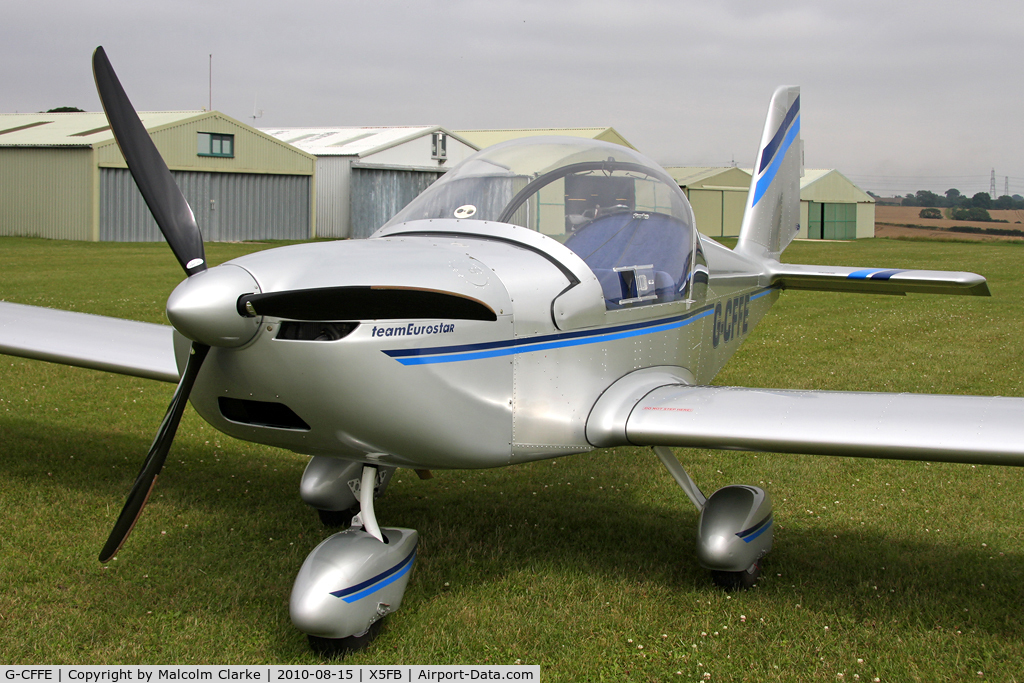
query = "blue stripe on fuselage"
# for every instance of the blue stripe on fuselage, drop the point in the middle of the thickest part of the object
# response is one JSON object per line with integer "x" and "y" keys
{"x": 508, "y": 347}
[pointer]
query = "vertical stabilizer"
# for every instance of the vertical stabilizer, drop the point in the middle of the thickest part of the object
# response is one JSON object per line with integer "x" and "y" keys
{"x": 772, "y": 216}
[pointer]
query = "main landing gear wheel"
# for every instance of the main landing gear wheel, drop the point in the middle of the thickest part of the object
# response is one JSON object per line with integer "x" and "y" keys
{"x": 337, "y": 519}
{"x": 336, "y": 648}
{"x": 735, "y": 581}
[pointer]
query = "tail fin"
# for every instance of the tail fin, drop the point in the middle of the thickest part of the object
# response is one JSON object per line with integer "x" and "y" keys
{"x": 772, "y": 216}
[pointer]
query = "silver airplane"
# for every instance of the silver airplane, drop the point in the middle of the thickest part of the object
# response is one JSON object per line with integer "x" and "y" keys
{"x": 548, "y": 296}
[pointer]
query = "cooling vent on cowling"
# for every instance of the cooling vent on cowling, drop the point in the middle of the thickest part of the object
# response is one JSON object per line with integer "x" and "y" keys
{"x": 297, "y": 330}
{"x": 260, "y": 413}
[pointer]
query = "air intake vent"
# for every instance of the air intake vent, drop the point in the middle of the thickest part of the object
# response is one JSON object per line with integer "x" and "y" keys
{"x": 260, "y": 413}
{"x": 315, "y": 331}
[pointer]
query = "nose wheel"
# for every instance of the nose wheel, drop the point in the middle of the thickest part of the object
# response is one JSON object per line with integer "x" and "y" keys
{"x": 353, "y": 579}
{"x": 333, "y": 486}
{"x": 337, "y": 519}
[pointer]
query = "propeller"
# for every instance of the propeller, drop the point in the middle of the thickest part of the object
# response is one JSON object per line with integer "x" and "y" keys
{"x": 163, "y": 197}
{"x": 178, "y": 224}
{"x": 154, "y": 461}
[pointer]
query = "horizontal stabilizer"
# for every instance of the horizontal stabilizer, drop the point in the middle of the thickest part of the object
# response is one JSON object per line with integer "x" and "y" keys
{"x": 126, "y": 347}
{"x": 968, "y": 429}
{"x": 876, "y": 280}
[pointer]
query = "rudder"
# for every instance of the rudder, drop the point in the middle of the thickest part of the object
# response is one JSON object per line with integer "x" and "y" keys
{"x": 771, "y": 218}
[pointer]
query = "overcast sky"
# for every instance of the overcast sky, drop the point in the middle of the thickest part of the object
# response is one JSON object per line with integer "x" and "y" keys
{"x": 899, "y": 96}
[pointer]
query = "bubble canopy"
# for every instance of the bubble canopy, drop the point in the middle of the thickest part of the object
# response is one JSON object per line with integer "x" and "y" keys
{"x": 523, "y": 181}
{"x": 614, "y": 207}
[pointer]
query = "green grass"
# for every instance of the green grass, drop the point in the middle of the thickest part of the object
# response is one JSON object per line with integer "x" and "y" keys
{"x": 573, "y": 564}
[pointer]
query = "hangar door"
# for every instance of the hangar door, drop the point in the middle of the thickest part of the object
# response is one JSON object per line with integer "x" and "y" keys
{"x": 718, "y": 212}
{"x": 229, "y": 207}
{"x": 378, "y": 194}
{"x": 831, "y": 221}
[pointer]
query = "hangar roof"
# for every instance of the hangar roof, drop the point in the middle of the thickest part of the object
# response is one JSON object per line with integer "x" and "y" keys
{"x": 355, "y": 141}
{"x": 74, "y": 129}
{"x": 710, "y": 177}
{"x": 486, "y": 138}
{"x": 829, "y": 185}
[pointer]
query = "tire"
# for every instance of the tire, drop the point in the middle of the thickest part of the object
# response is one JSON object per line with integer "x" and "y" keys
{"x": 734, "y": 581}
{"x": 337, "y": 519}
{"x": 337, "y": 648}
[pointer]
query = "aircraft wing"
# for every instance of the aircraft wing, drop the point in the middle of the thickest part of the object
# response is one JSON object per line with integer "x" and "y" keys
{"x": 126, "y": 347}
{"x": 876, "y": 280}
{"x": 968, "y": 429}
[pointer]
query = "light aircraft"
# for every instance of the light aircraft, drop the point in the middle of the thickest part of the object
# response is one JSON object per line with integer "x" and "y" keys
{"x": 546, "y": 297}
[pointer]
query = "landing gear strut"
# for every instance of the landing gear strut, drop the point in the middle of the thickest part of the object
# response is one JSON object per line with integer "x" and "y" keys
{"x": 332, "y": 486}
{"x": 735, "y": 527}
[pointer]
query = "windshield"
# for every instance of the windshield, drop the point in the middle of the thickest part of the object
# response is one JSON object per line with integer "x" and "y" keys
{"x": 617, "y": 209}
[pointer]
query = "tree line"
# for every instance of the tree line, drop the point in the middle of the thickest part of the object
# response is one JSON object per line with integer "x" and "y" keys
{"x": 954, "y": 200}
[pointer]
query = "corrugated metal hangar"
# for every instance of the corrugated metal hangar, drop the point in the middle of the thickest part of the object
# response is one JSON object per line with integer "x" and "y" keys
{"x": 367, "y": 175}
{"x": 831, "y": 207}
{"x": 717, "y": 196}
{"x": 62, "y": 176}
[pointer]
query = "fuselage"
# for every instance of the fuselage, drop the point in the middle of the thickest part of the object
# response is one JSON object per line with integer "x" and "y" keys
{"x": 453, "y": 393}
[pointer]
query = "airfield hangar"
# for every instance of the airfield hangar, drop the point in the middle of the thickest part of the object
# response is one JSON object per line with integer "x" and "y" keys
{"x": 831, "y": 206}
{"x": 364, "y": 176}
{"x": 62, "y": 176}
{"x": 486, "y": 138}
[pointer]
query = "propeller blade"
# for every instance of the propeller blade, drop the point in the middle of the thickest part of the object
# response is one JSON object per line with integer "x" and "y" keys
{"x": 163, "y": 197}
{"x": 154, "y": 462}
{"x": 364, "y": 303}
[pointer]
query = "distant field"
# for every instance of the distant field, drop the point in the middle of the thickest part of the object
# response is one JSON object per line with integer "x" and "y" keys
{"x": 584, "y": 565}
{"x": 912, "y": 214}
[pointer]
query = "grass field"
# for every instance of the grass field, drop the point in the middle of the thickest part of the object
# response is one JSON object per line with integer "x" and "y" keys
{"x": 583, "y": 565}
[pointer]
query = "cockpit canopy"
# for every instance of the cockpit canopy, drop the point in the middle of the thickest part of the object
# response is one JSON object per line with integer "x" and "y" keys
{"x": 619, "y": 211}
